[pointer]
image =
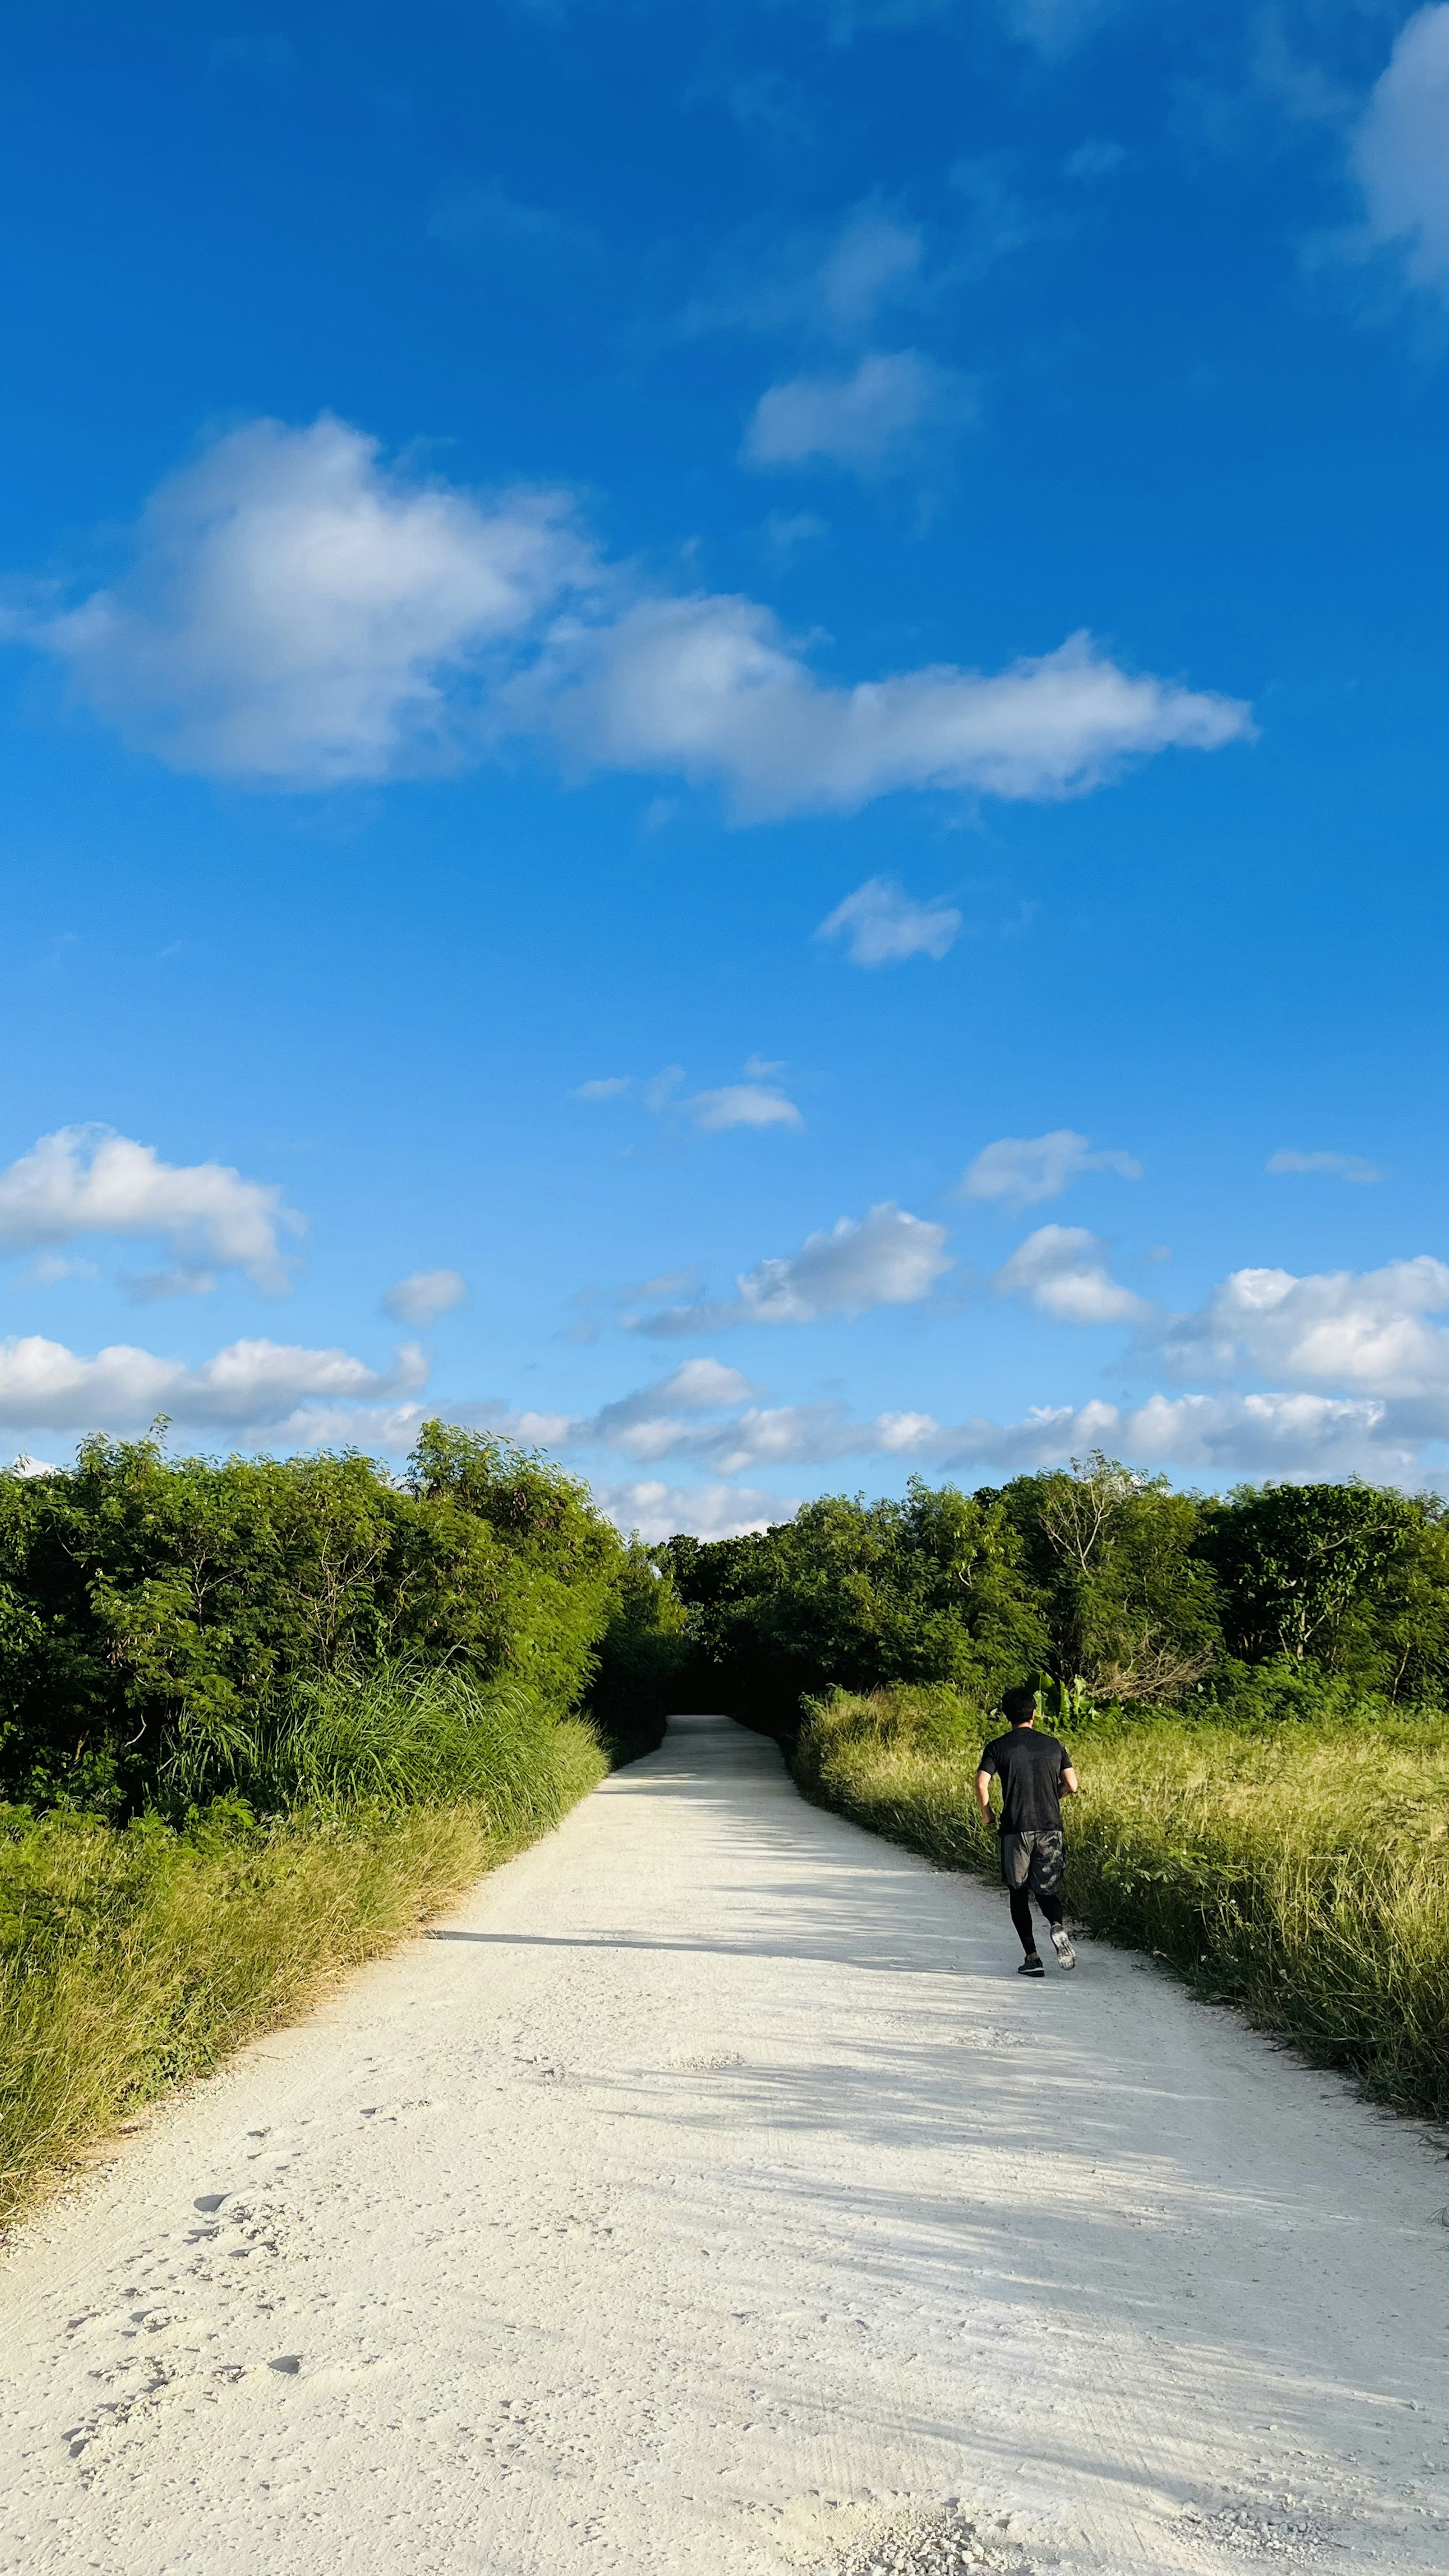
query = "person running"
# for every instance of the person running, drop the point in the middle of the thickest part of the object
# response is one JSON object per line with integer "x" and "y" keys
{"x": 1033, "y": 1770}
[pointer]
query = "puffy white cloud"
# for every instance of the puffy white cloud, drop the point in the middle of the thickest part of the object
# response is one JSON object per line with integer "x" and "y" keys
{"x": 296, "y": 614}
{"x": 708, "y": 687}
{"x": 885, "y": 1258}
{"x": 1019, "y": 1170}
{"x": 871, "y": 421}
{"x": 1400, "y": 152}
{"x": 742, "y": 1104}
{"x": 1363, "y": 1330}
{"x": 88, "y": 1180}
{"x": 883, "y": 925}
{"x": 1339, "y": 1167}
{"x": 250, "y": 1386}
{"x": 1060, "y": 1271}
{"x": 424, "y": 1295}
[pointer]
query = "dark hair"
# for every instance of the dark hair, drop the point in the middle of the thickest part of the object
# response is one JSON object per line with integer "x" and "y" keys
{"x": 1019, "y": 1703}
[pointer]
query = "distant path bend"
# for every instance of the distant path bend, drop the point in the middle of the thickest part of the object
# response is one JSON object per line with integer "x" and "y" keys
{"x": 706, "y": 2186}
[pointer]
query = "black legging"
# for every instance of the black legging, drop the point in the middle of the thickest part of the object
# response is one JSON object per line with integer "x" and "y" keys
{"x": 1051, "y": 1907}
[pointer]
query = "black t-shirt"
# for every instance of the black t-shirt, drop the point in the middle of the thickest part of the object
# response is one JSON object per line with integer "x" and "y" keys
{"x": 1029, "y": 1766}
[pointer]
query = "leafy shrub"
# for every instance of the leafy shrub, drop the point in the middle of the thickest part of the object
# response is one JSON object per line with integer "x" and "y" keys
{"x": 153, "y": 1610}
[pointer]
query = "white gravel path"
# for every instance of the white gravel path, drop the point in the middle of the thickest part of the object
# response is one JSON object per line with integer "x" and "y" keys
{"x": 709, "y": 2195}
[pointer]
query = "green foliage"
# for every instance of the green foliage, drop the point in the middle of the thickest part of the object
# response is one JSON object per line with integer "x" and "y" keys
{"x": 1090, "y": 1579}
{"x": 923, "y": 1589}
{"x": 1296, "y": 1560}
{"x": 1301, "y": 1871}
{"x": 154, "y": 1611}
{"x": 643, "y": 1657}
{"x": 1126, "y": 1603}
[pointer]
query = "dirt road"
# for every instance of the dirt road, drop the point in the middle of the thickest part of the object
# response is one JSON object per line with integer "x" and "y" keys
{"x": 709, "y": 2195}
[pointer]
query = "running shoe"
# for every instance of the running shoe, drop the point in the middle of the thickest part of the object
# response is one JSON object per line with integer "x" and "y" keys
{"x": 1062, "y": 1947}
{"x": 1031, "y": 1967}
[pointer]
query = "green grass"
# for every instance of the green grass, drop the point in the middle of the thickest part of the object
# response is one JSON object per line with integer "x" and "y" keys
{"x": 1300, "y": 1870}
{"x": 131, "y": 1959}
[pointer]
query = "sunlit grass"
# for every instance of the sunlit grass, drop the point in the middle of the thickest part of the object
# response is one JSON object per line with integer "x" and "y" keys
{"x": 131, "y": 1959}
{"x": 1300, "y": 1870}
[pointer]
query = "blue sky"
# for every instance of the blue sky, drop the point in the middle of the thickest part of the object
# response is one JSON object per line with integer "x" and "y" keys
{"x": 725, "y": 739}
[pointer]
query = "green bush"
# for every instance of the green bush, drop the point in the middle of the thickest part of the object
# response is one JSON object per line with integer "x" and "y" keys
{"x": 153, "y": 1611}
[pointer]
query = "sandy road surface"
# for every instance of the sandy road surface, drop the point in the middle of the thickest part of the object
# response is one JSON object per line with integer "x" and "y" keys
{"x": 703, "y": 2195}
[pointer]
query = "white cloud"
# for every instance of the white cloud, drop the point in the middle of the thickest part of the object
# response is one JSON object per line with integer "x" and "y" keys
{"x": 660, "y": 1511}
{"x": 1060, "y": 1271}
{"x": 883, "y": 925}
{"x": 298, "y": 616}
{"x": 754, "y": 1103}
{"x": 828, "y": 283}
{"x": 1286, "y": 1433}
{"x": 424, "y": 1295}
{"x": 886, "y": 1258}
{"x": 87, "y": 1180}
{"x": 250, "y": 1386}
{"x": 709, "y": 688}
{"x": 742, "y": 1104}
{"x": 1054, "y": 27}
{"x": 651, "y": 1422}
{"x": 1362, "y": 1330}
{"x": 1020, "y": 1170}
{"x": 1339, "y": 1167}
{"x": 1400, "y": 153}
{"x": 872, "y": 421}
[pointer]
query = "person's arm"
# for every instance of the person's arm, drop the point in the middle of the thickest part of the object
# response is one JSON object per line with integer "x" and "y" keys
{"x": 1069, "y": 1780}
{"x": 983, "y": 1793}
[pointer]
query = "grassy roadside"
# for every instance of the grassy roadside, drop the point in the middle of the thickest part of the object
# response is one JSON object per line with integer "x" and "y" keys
{"x": 1299, "y": 1870}
{"x": 131, "y": 1959}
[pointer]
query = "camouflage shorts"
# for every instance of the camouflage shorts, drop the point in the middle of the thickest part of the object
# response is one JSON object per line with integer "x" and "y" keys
{"x": 1034, "y": 1861}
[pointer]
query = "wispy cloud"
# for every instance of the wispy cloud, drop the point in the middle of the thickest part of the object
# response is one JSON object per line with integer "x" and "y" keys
{"x": 709, "y": 689}
{"x": 1017, "y": 1171}
{"x": 882, "y": 925}
{"x": 1399, "y": 152}
{"x": 876, "y": 419}
{"x": 88, "y": 1180}
{"x": 752, "y": 1103}
{"x": 1338, "y": 1167}
{"x": 742, "y": 1104}
{"x": 424, "y": 1295}
{"x": 885, "y": 1258}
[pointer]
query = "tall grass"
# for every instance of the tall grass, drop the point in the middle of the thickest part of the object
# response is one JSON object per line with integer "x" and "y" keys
{"x": 1300, "y": 1870}
{"x": 131, "y": 1959}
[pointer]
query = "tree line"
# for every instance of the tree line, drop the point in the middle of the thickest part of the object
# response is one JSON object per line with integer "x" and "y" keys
{"x": 1283, "y": 1598}
{"x": 155, "y": 1612}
